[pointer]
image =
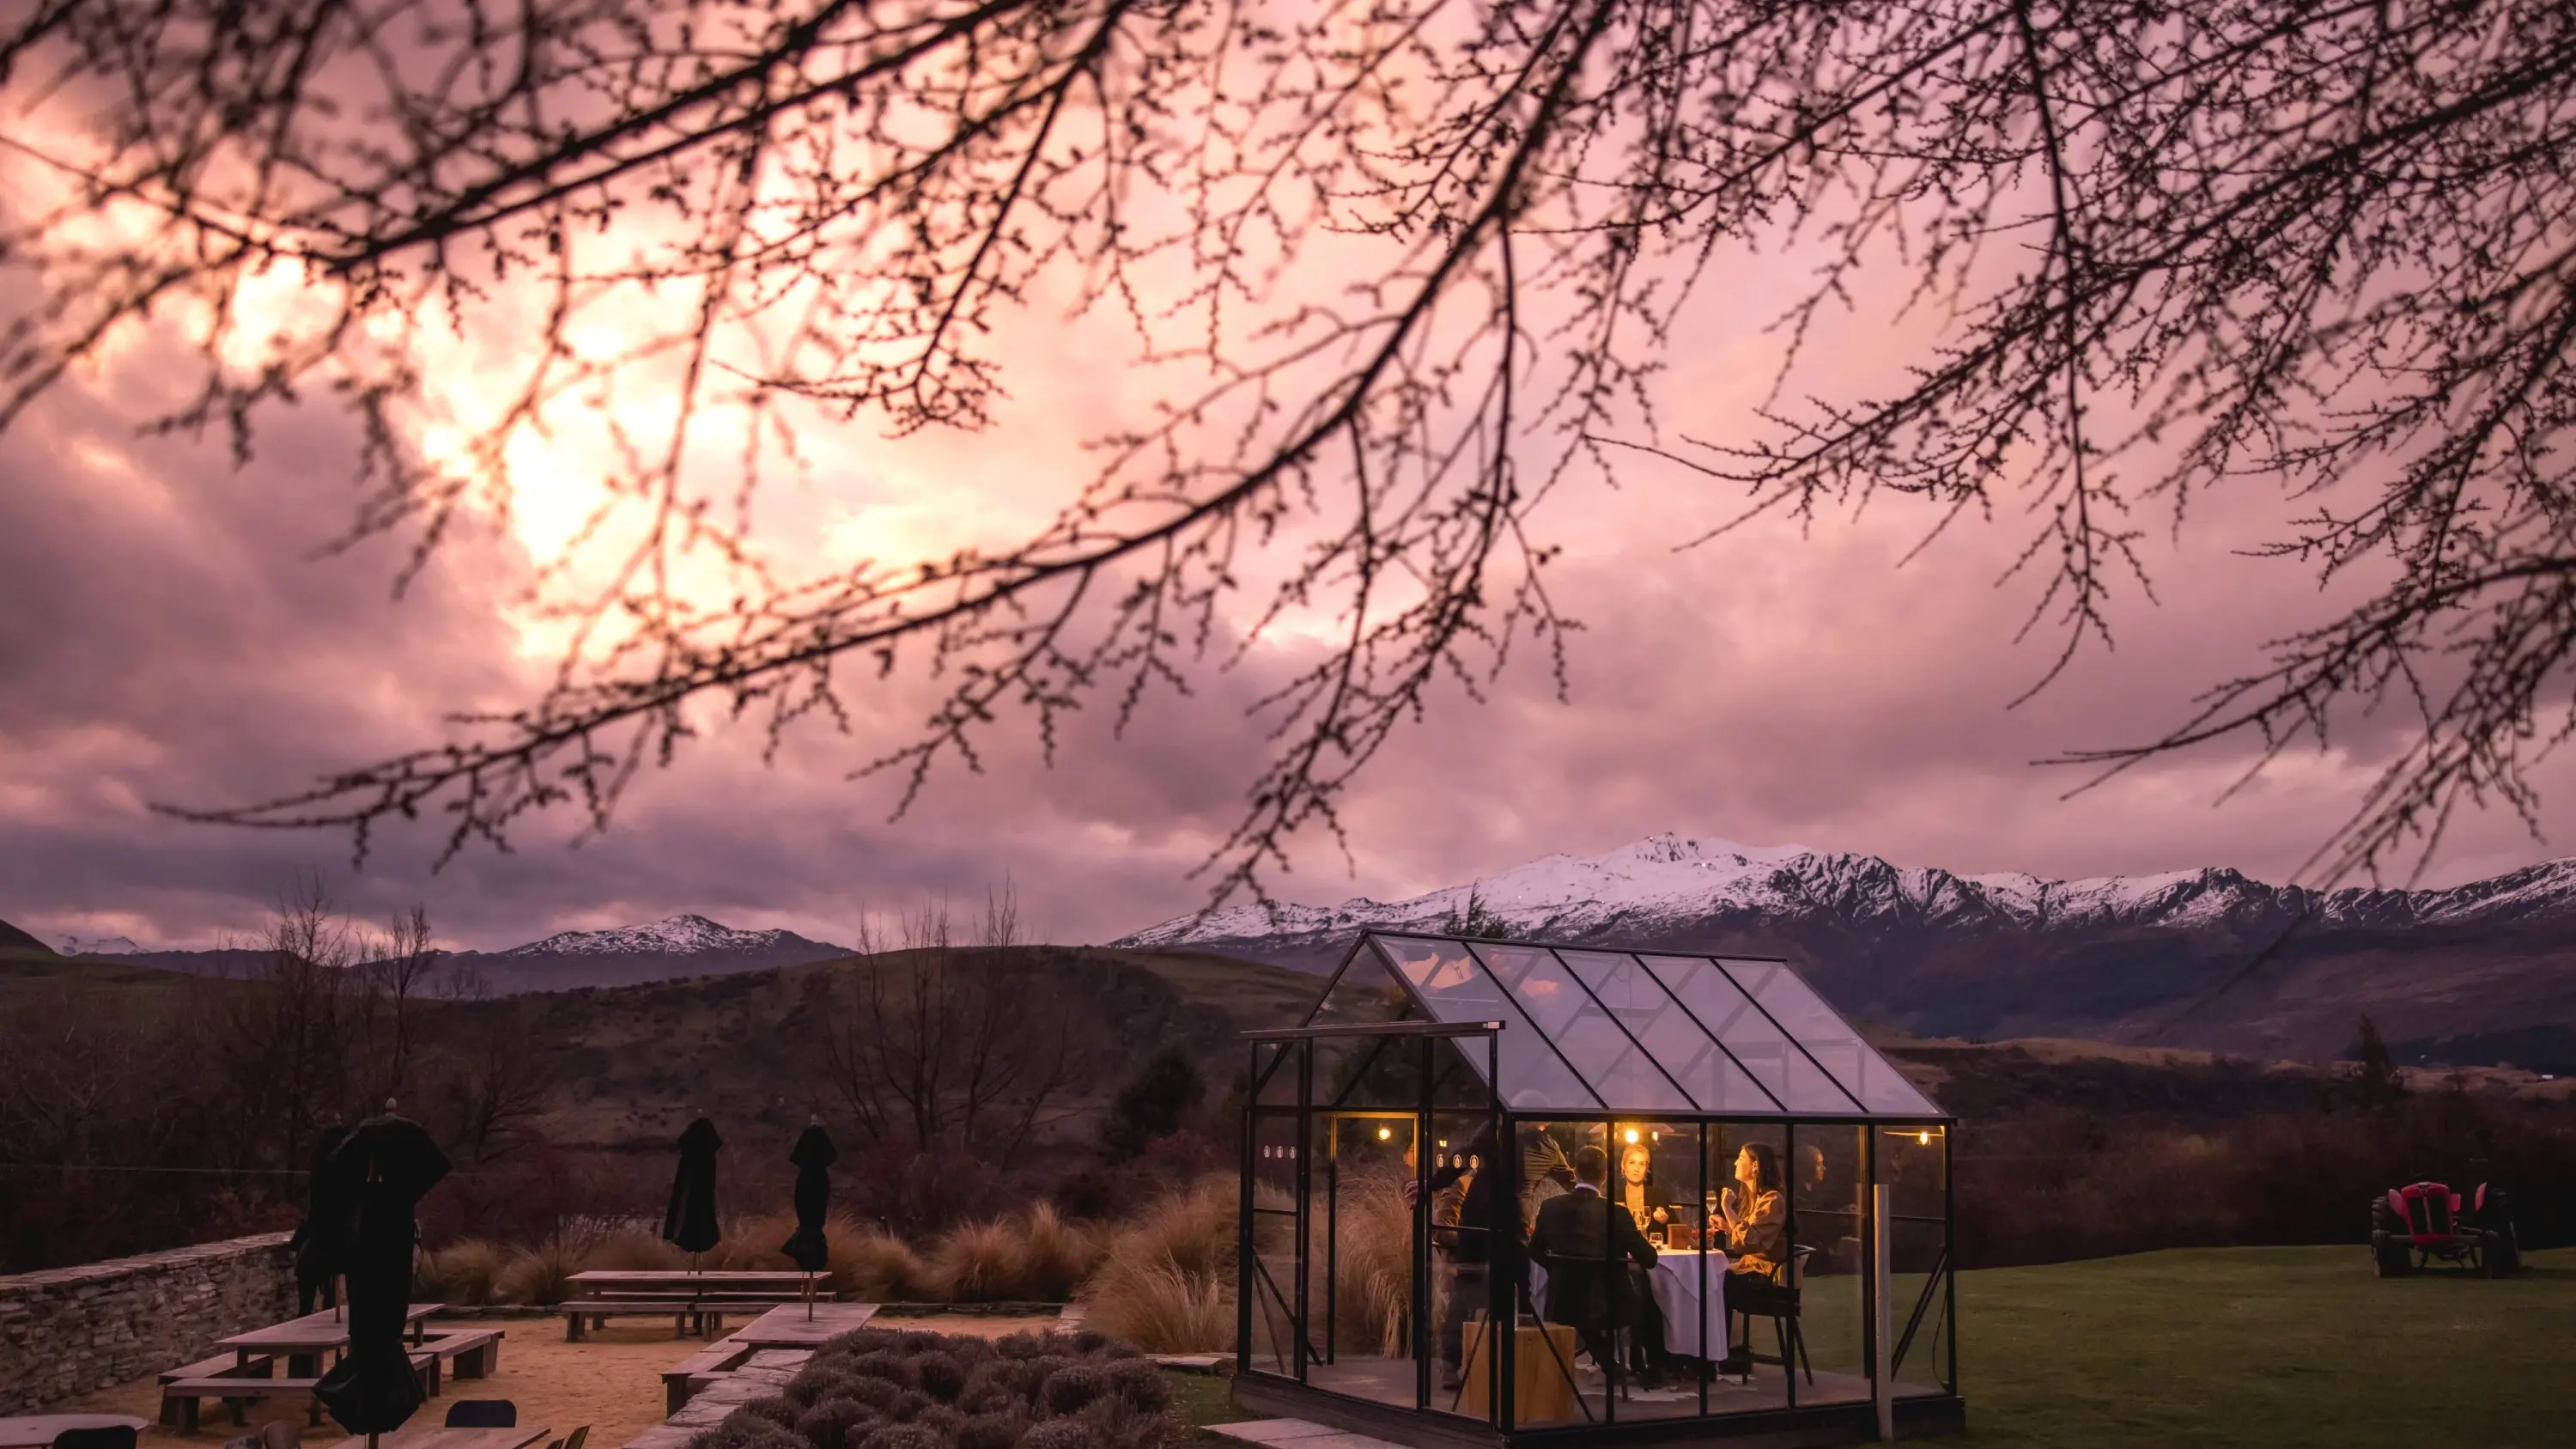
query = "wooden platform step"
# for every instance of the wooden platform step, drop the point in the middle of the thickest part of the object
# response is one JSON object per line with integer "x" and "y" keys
{"x": 1298, "y": 1434}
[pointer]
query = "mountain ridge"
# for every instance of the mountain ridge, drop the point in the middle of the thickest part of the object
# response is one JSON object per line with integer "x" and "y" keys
{"x": 674, "y": 948}
{"x": 2208, "y": 958}
{"x": 1668, "y": 871}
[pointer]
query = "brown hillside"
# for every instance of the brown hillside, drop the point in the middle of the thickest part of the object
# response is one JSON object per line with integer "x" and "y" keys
{"x": 624, "y": 1066}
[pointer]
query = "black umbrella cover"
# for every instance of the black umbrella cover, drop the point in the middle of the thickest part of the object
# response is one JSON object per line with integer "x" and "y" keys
{"x": 691, "y": 1222}
{"x": 386, "y": 1164}
{"x": 321, "y": 1241}
{"x": 813, "y": 1155}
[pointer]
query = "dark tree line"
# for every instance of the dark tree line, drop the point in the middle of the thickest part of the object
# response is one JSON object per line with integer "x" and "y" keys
{"x": 136, "y": 1117}
{"x": 1401, "y": 270}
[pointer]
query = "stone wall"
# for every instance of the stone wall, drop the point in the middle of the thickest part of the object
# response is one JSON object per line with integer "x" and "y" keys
{"x": 66, "y": 1332}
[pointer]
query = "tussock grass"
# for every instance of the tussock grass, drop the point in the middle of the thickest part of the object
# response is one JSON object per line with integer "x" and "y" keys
{"x": 876, "y": 1265}
{"x": 977, "y": 1263}
{"x": 1373, "y": 1271}
{"x": 541, "y": 1274}
{"x": 460, "y": 1273}
{"x": 631, "y": 1250}
{"x": 1166, "y": 1278}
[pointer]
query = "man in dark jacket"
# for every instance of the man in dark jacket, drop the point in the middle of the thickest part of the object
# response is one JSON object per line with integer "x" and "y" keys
{"x": 1596, "y": 1263}
{"x": 1464, "y": 1223}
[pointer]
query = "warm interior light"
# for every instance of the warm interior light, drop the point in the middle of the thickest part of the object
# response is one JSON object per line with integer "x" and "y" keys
{"x": 1632, "y": 1134}
{"x": 1383, "y": 1133}
{"x": 1923, "y": 1137}
{"x": 1657, "y": 1136}
{"x": 1444, "y": 1141}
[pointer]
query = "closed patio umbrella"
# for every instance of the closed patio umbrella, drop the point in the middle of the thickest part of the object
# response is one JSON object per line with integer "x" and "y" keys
{"x": 813, "y": 1155}
{"x": 691, "y": 1222}
{"x": 321, "y": 1241}
{"x": 388, "y": 1162}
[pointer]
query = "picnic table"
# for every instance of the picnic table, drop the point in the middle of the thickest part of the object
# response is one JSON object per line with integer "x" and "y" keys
{"x": 313, "y": 1335}
{"x": 32, "y": 1429}
{"x": 702, "y": 1298}
{"x": 432, "y": 1436}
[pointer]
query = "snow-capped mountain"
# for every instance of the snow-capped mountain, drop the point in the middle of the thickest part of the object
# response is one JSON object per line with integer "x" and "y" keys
{"x": 2252, "y": 966}
{"x": 1667, "y": 880}
{"x": 100, "y": 946}
{"x": 669, "y": 949}
{"x": 675, "y": 935}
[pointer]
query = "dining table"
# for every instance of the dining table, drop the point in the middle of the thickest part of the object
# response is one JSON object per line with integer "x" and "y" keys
{"x": 1675, "y": 1283}
{"x": 437, "y": 1436}
{"x": 27, "y": 1430}
{"x": 315, "y": 1334}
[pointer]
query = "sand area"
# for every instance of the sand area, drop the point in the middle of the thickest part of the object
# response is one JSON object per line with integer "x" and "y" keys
{"x": 611, "y": 1381}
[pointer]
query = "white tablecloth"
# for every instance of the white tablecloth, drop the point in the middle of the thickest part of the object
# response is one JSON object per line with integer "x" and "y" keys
{"x": 1676, "y": 1285}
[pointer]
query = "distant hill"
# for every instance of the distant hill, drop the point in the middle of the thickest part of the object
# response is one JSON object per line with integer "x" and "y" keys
{"x": 17, "y": 942}
{"x": 624, "y": 1065}
{"x": 2204, "y": 958}
{"x": 677, "y": 948}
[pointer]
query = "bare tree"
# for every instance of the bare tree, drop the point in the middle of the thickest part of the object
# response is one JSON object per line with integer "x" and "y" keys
{"x": 285, "y": 1032}
{"x": 932, "y": 1044}
{"x": 489, "y": 1082}
{"x": 2179, "y": 247}
{"x": 402, "y": 965}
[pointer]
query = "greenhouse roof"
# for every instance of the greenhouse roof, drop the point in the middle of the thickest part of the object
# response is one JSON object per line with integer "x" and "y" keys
{"x": 1589, "y": 1030}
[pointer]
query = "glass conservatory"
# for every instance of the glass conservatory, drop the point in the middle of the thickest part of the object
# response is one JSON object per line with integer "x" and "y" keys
{"x": 1498, "y": 1192}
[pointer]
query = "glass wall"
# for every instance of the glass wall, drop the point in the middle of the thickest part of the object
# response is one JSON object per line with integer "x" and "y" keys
{"x": 1914, "y": 1163}
{"x": 1829, "y": 1182}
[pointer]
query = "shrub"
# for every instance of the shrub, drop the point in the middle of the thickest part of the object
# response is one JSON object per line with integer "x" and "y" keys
{"x": 542, "y": 1274}
{"x": 1069, "y": 1389}
{"x": 460, "y": 1273}
{"x": 1153, "y": 1103}
{"x": 858, "y": 1392}
{"x": 1055, "y": 1256}
{"x": 1161, "y": 1309}
{"x": 875, "y": 1265}
{"x": 633, "y": 1251}
{"x": 1060, "y": 1434}
{"x": 1166, "y": 1280}
{"x": 977, "y": 1263}
{"x": 751, "y": 1243}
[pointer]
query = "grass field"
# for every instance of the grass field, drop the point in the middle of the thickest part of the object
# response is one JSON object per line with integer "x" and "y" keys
{"x": 2272, "y": 1347}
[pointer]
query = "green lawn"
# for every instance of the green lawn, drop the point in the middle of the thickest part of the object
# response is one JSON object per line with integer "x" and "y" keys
{"x": 2270, "y": 1347}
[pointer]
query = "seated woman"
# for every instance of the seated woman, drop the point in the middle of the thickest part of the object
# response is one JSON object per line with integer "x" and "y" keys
{"x": 1641, "y": 1195}
{"x": 1755, "y": 1219}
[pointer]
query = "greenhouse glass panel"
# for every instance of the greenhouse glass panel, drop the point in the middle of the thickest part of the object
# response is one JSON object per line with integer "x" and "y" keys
{"x": 1366, "y": 992}
{"x": 1766, "y": 1051}
{"x": 1620, "y": 1073}
{"x": 1691, "y": 1055}
{"x": 1869, "y": 1077}
{"x": 1449, "y": 980}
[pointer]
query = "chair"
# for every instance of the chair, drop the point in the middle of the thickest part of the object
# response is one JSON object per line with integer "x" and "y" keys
{"x": 1590, "y": 1282}
{"x": 1777, "y": 1302}
{"x": 572, "y": 1440}
{"x": 483, "y": 1414}
{"x": 114, "y": 1436}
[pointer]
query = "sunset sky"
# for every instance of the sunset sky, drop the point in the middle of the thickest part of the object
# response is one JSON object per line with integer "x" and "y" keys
{"x": 171, "y": 637}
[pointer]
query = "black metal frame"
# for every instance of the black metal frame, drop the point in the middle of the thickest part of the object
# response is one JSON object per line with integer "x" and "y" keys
{"x": 1258, "y": 1385}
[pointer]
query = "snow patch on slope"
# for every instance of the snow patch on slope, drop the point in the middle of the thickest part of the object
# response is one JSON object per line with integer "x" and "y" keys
{"x": 683, "y": 935}
{"x": 1669, "y": 879}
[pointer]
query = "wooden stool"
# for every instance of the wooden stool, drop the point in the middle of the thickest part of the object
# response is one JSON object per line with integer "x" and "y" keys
{"x": 1543, "y": 1389}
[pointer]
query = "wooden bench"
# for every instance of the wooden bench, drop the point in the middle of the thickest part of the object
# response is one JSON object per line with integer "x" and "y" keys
{"x": 690, "y": 1317}
{"x": 238, "y": 1390}
{"x": 678, "y": 1381}
{"x": 222, "y": 1365}
{"x": 475, "y": 1351}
